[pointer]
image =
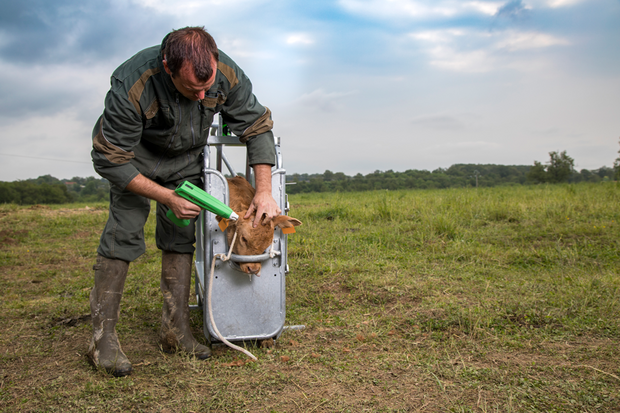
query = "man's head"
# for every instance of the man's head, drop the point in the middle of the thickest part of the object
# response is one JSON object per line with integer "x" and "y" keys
{"x": 190, "y": 58}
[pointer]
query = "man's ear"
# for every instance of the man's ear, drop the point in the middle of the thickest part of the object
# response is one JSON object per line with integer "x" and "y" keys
{"x": 166, "y": 68}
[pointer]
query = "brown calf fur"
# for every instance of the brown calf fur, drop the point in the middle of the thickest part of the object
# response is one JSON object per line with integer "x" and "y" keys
{"x": 251, "y": 241}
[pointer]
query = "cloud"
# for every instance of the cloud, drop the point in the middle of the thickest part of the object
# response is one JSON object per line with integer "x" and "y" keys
{"x": 50, "y": 32}
{"x": 420, "y": 10}
{"x": 562, "y": 3}
{"x": 475, "y": 144}
{"x": 187, "y": 8}
{"x": 35, "y": 90}
{"x": 477, "y": 51}
{"x": 513, "y": 41}
{"x": 464, "y": 147}
{"x": 442, "y": 122}
{"x": 59, "y": 142}
{"x": 320, "y": 100}
{"x": 299, "y": 38}
{"x": 412, "y": 9}
{"x": 514, "y": 9}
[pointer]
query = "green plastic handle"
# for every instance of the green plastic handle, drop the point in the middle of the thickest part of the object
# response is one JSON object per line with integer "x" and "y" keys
{"x": 199, "y": 197}
{"x": 181, "y": 223}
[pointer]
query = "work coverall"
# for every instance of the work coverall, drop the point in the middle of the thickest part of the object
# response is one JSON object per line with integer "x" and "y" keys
{"x": 148, "y": 127}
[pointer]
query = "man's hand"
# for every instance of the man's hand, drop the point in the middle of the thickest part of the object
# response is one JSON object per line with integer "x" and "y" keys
{"x": 264, "y": 205}
{"x": 181, "y": 207}
{"x": 263, "y": 202}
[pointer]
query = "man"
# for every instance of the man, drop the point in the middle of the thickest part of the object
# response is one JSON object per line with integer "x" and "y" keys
{"x": 150, "y": 137}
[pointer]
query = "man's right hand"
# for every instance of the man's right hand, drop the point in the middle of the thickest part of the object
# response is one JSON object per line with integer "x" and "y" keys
{"x": 181, "y": 207}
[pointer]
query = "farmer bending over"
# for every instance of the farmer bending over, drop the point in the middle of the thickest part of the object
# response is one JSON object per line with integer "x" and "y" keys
{"x": 150, "y": 138}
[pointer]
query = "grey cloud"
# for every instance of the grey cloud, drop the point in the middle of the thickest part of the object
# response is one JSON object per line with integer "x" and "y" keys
{"x": 514, "y": 10}
{"x": 58, "y": 55}
{"x": 439, "y": 122}
{"x": 43, "y": 31}
{"x": 321, "y": 100}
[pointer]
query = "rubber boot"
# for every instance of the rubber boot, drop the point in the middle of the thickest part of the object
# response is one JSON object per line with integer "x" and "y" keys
{"x": 105, "y": 298}
{"x": 175, "y": 284}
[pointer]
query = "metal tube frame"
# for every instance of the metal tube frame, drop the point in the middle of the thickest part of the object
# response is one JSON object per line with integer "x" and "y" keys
{"x": 216, "y": 181}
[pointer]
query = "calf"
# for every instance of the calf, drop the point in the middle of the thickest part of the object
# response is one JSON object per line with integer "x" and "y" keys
{"x": 250, "y": 240}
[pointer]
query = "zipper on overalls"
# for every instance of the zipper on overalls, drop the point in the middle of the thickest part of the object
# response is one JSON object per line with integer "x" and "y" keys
{"x": 179, "y": 118}
{"x": 191, "y": 125}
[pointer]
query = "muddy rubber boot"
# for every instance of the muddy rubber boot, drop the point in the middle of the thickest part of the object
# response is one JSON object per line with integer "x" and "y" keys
{"x": 105, "y": 298}
{"x": 175, "y": 284}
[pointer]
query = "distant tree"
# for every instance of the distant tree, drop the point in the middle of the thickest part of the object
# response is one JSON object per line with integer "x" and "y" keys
{"x": 605, "y": 172}
{"x": 8, "y": 193}
{"x": 559, "y": 168}
{"x": 586, "y": 176}
{"x": 45, "y": 179}
{"x": 90, "y": 188}
{"x": 537, "y": 173}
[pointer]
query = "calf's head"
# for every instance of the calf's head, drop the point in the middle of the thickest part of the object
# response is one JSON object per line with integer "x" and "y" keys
{"x": 254, "y": 241}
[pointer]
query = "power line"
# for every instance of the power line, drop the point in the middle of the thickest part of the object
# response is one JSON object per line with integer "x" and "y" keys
{"x": 45, "y": 159}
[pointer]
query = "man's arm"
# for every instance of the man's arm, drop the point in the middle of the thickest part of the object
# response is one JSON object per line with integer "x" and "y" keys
{"x": 251, "y": 122}
{"x": 182, "y": 208}
{"x": 263, "y": 202}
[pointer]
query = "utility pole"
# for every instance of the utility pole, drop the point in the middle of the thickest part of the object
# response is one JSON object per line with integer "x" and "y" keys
{"x": 476, "y": 175}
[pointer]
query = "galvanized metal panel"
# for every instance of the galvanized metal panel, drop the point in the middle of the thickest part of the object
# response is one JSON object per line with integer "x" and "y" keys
{"x": 244, "y": 307}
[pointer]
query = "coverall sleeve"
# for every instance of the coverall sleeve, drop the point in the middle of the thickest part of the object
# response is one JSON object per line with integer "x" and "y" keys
{"x": 115, "y": 135}
{"x": 249, "y": 120}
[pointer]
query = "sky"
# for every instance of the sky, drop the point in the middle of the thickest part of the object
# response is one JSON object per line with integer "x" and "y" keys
{"x": 354, "y": 86}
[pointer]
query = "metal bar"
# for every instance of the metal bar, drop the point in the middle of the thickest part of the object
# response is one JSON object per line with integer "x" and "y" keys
{"x": 218, "y": 159}
{"x": 206, "y": 158}
{"x": 278, "y": 153}
{"x": 228, "y": 165}
{"x": 225, "y": 140}
{"x": 251, "y": 258}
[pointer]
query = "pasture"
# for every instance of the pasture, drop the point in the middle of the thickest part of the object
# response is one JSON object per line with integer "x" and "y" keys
{"x": 501, "y": 299}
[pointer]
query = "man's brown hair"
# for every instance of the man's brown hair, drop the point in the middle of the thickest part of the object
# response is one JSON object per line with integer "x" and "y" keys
{"x": 193, "y": 45}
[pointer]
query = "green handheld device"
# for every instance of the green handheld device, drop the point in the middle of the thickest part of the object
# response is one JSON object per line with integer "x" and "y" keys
{"x": 205, "y": 201}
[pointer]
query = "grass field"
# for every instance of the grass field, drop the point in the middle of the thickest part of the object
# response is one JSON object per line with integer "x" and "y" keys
{"x": 499, "y": 299}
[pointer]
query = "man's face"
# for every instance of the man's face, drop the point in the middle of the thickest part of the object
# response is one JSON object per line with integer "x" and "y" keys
{"x": 187, "y": 84}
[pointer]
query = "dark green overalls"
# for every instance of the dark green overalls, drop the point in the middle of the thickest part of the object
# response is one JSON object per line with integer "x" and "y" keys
{"x": 148, "y": 127}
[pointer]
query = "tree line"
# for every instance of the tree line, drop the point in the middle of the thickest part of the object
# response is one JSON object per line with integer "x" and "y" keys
{"x": 458, "y": 175}
{"x": 49, "y": 190}
{"x": 559, "y": 168}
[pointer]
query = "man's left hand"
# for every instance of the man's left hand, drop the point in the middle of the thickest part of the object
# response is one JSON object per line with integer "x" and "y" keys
{"x": 264, "y": 205}
{"x": 263, "y": 202}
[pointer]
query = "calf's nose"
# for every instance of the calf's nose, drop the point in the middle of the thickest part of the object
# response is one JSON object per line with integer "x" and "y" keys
{"x": 252, "y": 268}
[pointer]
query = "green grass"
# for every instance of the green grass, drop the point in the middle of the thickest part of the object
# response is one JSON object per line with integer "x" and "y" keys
{"x": 501, "y": 299}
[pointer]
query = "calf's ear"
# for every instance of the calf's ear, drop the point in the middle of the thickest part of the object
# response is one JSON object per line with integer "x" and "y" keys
{"x": 284, "y": 221}
{"x": 223, "y": 222}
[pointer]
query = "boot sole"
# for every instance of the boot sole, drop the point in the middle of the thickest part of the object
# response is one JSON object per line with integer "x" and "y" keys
{"x": 119, "y": 373}
{"x": 198, "y": 356}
